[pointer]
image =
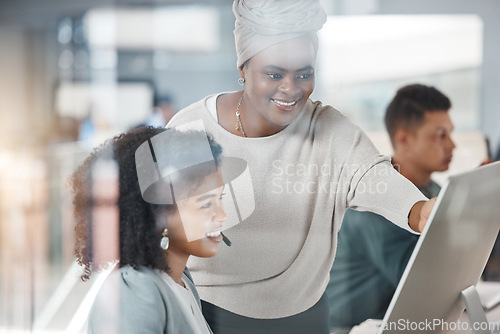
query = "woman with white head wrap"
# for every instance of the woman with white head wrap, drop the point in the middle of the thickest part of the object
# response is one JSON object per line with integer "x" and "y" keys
{"x": 261, "y": 24}
{"x": 307, "y": 163}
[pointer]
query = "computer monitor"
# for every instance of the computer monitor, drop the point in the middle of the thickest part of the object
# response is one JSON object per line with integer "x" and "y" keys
{"x": 449, "y": 258}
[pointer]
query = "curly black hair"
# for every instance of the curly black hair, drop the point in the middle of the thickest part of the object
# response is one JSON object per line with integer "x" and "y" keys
{"x": 139, "y": 236}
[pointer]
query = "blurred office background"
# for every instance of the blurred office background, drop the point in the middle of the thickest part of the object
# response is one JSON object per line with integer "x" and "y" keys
{"x": 73, "y": 73}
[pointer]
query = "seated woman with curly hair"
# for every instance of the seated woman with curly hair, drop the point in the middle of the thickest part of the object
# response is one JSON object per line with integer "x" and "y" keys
{"x": 163, "y": 205}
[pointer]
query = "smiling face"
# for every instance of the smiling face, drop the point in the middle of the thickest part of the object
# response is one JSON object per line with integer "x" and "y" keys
{"x": 195, "y": 227}
{"x": 278, "y": 82}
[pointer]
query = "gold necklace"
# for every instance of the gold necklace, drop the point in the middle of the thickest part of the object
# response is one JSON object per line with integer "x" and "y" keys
{"x": 239, "y": 127}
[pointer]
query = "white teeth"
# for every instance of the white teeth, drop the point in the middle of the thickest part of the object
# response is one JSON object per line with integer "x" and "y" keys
{"x": 286, "y": 104}
{"x": 213, "y": 234}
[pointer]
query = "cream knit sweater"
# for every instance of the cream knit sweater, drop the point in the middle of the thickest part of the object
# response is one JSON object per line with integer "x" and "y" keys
{"x": 303, "y": 179}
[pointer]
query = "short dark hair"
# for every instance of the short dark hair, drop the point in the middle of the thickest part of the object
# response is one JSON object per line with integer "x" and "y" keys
{"x": 407, "y": 109}
{"x": 139, "y": 239}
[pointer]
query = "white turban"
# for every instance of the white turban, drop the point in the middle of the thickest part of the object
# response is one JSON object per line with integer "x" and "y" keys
{"x": 263, "y": 23}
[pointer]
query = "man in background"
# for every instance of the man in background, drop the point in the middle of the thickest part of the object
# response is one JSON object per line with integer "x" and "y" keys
{"x": 372, "y": 252}
{"x": 163, "y": 110}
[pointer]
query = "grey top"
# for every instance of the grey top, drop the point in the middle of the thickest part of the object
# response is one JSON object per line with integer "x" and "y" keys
{"x": 372, "y": 255}
{"x": 139, "y": 301}
{"x": 303, "y": 179}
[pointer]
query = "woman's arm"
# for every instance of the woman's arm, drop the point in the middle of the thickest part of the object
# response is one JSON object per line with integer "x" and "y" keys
{"x": 419, "y": 214}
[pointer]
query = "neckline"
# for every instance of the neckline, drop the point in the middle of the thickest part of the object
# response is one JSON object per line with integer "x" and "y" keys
{"x": 171, "y": 280}
{"x": 228, "y": 134}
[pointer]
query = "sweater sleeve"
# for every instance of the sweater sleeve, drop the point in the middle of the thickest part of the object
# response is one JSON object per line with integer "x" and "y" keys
{"x": 375, "y": 185}
{"x": 128, "y": 302}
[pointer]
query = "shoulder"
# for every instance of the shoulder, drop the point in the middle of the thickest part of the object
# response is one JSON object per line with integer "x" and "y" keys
{"x": 128, "y": 300}
{"x": 197, "y": 110}
{"x": 327, "y": 121}
{"x": 318, "y": 111}
{"x": 134, "y": 284}
{"x": 129, "y": 274}
{"x": 331, "y": 130}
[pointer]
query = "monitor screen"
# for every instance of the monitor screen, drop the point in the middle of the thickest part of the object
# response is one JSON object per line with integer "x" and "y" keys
{"x": 449, "y": 257}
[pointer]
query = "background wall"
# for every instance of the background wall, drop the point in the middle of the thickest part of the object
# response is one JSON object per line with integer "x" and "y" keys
{"x": 489, "y": 11}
